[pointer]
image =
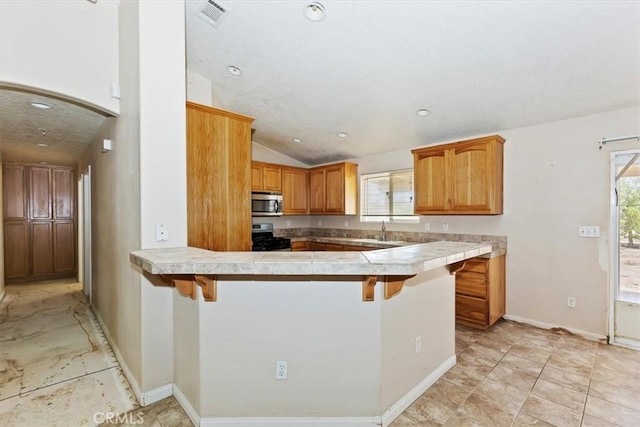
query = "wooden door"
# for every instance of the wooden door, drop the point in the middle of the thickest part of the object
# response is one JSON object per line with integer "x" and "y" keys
{"x": 334, "y": 189}
{"x": 430, "y": 168}
{"x": 295, "y": 195}
{"x": 63, "y": 194}
{"x": 317, "y": 190}
{"x": 14, "y": 194}
{"x": 39, "y": 193}
{"x": 257, "y": 172}
{"x": 471, "y": 178}
{"x": 64, "y": 248}
{"x": 41, "y": 248}
{"x": 272, "y": 178}
{"x": 16, "y": 250}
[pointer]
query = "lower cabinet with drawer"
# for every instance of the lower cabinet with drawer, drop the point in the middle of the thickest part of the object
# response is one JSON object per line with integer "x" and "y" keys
{"x": 481, "y": 292}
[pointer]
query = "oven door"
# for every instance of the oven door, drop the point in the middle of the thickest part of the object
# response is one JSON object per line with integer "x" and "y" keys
{"x": 266, "y": 204}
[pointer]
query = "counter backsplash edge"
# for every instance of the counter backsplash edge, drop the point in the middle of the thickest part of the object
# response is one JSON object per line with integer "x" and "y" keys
{"x": 497, "y": 242}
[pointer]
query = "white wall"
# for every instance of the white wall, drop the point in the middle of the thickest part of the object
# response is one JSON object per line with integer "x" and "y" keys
{"x": 556, "y": 179}
{"x": 68, "y": 48}
{"x": 163, "y": 174}
{"x": 1, "y": 236}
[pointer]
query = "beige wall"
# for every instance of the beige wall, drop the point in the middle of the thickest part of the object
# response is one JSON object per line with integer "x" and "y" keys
{"x": 556, "y": 179}
{"x": 1, "y": 236}
{"x": 77, "y": 59}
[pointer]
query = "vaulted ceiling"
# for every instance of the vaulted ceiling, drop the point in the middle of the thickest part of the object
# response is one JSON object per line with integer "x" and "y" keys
{"x": 368, "y": 66}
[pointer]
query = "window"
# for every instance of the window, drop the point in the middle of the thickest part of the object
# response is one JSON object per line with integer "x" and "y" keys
{"x": 387, "y": 196}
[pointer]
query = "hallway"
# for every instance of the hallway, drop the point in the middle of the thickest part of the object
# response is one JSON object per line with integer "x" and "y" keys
{"x": 56, "y": 366}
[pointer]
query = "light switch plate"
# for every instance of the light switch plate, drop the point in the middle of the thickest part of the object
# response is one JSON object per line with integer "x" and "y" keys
{"x": 589, "y": 231}
{"x": 162, "y": 233}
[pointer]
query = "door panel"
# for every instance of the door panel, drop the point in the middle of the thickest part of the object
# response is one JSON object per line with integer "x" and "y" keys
{"x": 63, "y": 194}
{"x": 294, "y": 192}
{"x": 334, "y": 188}
{"x": 16, "y": 249}
{"x": 430, "y": 171}
{"x": 40, "y": 193}
{"x": 41, "y": 248}
{"x": 64, "y": 250}
{"x": 15, "y": 192}
{"x": 470, "y": 186}
{"x": 317, "y": 189}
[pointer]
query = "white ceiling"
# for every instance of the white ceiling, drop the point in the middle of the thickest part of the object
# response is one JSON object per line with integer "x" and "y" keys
{"x": 67, "y": 128}
{"x": 478, "y": 66}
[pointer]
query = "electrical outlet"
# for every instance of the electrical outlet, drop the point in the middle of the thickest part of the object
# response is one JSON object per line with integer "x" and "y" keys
{"x": 589, "y": 231}
{"x": 427, "y": 226}
{"x": 288, "y": 223}
{"x": 320, "y": 222}
{"x": 346, "y": 223}
{"x": 445, "y": 226}
{"x": 571, "y": 302}
{"x": 418, "y": 345}
{"x": 162, "y": 233}
{"x": 281, "y": 370}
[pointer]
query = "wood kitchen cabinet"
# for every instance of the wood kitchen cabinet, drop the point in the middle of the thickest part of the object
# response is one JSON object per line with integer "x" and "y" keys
{"x": 266, "y": 177}
{"x": 218, "y": 179}
{"x": 462, "y": 178}
{"x": 334, "y": 189}
{"x": 39, "y": 222}
{"x": 481, "y": 292}
{"x": 295, "y": 191}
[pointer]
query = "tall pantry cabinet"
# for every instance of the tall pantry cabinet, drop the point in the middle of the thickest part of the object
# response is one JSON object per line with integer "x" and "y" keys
{"x": 39, "y": 222}
{"x": 218, "y": 179}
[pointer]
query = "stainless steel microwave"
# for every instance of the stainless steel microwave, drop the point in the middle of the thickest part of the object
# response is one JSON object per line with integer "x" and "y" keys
{"x": 266, "y": 204}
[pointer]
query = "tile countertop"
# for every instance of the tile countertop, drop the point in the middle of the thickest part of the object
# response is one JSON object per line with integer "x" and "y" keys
{"x": 495, "y": 252}
{"x": 401, "y": 260}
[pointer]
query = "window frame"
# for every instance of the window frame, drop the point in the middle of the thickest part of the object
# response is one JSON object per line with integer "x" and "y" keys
{"x": 412, "y": 218}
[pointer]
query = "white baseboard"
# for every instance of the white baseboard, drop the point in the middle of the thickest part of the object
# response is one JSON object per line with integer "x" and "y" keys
{"x": 291, "y": 421}
{"x": 125, "y": 369}
{"x": 156, "y": 394}
{"x": 587, "y": 335}
{"x": 401, "y": 405}
{"x": 186, "y": 406}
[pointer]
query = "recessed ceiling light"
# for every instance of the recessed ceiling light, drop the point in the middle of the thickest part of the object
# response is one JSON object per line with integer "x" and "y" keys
{"x": 342, "y": 134}
{"x": 234, "y": 71}
{"x": 423, "y": 112}
{"x": 314, "y": 12}
{"x": 42, "y": 144}
{"x": 296, "y": 139}
{"x": 43, "y": 163}
{"x": 41, "y": 105}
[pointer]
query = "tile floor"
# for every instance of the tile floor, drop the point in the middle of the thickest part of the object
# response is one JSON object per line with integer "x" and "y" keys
{"x": 56, "y": 369}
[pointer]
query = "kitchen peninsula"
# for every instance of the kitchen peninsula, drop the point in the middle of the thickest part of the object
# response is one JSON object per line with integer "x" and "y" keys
{"x": 363, "y": 334}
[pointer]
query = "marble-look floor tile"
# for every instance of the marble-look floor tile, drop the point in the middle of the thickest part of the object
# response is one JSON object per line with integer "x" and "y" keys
{"x": 555, "y": 393}
{"x": 164, "y": 413}
{"x": 577, "y": 382}
{"x": 530, "y": 352}
{"x": 524, "y": 420}
{"x": 619, "y": 387}
{"x": 70, "y": 403}
{"x": 482, "y": 410}
{"x": 478, "y": 351}
{"x": 619, "y": 359}
{"x": 590, "y": 421}
{"x": 551, "y": 412}
{"x": 495, "y": 341}
{"x": 573, "y": 361}
{"x": 521, "y": 365}
{"x": 405, "y": 420}
{"x": 611, "y": 412}
{"x": 438, "y": 403}
{"x": 511, "y": 379}
{"x": 468, "y": 371}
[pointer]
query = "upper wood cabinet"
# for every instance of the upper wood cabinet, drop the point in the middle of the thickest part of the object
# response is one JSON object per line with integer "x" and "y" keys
{"x": 295, "y": 191}
{"x": 15, "y": 192}
{"x": 462, "y": 178}
{"x": 266, "y": 177}
{"x": 334, "y": 189}
{"x": 218, "y": 179}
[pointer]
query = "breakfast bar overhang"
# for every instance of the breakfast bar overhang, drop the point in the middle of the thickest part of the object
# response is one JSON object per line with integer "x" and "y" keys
{"x": 363, "y": 334}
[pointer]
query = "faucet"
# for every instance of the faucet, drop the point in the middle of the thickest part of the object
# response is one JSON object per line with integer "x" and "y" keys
{"x": 383, "y": 233}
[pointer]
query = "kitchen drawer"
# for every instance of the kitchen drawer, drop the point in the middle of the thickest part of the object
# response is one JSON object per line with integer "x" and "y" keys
{"x": 476, "y": 265}
{"x": 471, "y": 284}
{"x": 471, "y": 309}
{"x": 299, "y": 246}
{"x": 315, "y": 246}
{"x": 332, "y": 247}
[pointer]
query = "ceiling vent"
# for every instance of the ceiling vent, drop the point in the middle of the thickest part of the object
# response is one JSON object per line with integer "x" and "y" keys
{"x": 213, "y": 12}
